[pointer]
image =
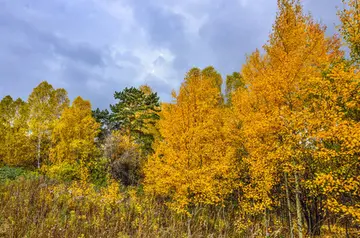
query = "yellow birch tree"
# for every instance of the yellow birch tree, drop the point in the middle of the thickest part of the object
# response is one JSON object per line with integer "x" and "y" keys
{"x": 74, "y": 136}
{"x": 194, "y": 162}
{"x": 15, "y": 143}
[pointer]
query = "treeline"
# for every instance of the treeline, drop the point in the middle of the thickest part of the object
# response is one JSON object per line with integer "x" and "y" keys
{"x": 276, "y": 152}
{"x": 70, "y": 142}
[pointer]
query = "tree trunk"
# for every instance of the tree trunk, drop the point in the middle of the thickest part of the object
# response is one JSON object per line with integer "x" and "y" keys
{"x": 38, "y": 151}
{"x": 189, "y": 227}
{"x": 347, "y": 228}
{"x": 314, "y": 215}
{"x": 298, "y": 206}
{"x": 329, "y": 221}
{"x": 288, "y": 206}
{"x": 266, "y": 221}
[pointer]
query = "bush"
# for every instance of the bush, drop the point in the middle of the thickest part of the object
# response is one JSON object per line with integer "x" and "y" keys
{"x": 63, "y": 171}
{"x": 125, "y": 158}
{"x": 99, "y": 174}
{"x": 127, "y": 168}
{"x": 11, "y": 173}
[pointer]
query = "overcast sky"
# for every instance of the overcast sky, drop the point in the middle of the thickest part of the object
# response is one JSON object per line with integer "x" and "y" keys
{"x": 95, "y": 47}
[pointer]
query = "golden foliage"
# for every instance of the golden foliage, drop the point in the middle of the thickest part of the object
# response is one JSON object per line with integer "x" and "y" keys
{"x": 74, "y": 135}
{"x": 194, "y": 163}
{"x": 297, "y": 51}
{"x": 15, "y": 143}
{"x": 287, "y": 143}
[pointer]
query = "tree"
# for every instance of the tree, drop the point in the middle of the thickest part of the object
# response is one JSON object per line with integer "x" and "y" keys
{"x": 73, "y": 138}
{"x": 136, "y": 113}
{"x": 211, "y": 74}
{"x": 194, "y": 161}
{"x": 215, "y": 77}
{"x": 45, "y": 107}
{"x": 74, "y": 134}
{"x": 336, "y": 129}
{"x": 15, "y": 143}
{"x": 274, "y": 112}
{"x": 233, "y": 83}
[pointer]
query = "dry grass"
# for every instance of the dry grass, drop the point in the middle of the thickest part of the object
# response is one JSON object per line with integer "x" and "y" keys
{"x": 41, "y": 208}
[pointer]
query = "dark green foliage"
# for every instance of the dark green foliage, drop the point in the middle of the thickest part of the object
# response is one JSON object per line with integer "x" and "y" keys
{"x": 133, "y": 114}
{"x": 11, "y": 173}
{"x": 103, "y": 117}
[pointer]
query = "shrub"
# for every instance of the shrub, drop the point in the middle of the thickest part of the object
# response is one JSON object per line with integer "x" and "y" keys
{"x": 63, "y": 171}
{"x": 11, "y": 173}
{"x": 99, "y": 174}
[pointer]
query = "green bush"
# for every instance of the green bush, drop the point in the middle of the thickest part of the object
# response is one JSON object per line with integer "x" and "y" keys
{"x": 99, "y": 174}
{"x": 11, "y": 173}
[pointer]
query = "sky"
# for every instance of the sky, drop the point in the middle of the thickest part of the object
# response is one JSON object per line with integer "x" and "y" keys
{"x": 93, "y": 48}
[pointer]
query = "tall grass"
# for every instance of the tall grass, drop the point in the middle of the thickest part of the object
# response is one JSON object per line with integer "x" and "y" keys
{"x": 41, "y": 208}
{"x": 35, "y": 206}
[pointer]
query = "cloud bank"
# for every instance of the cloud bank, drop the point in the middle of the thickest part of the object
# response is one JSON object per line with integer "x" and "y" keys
{"x": 95, "y": 47}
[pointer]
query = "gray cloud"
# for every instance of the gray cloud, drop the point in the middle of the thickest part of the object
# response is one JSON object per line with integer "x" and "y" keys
{"x": 95, "y": 47}
{"x": 235, "y": 30}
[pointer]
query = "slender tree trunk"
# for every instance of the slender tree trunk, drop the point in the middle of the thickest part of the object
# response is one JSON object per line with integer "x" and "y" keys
{"x": 298, "y": 206}
{"x": 189, "y": 227}
{"x": 308, "y": 210}
{"x": 288, "y": 206}
{"x": 329, "y": 221}
{"x": 266, "y": 221}
{"x": 314, "y": 216}
{"x": 38, "y": 151}
{"x": 347, "y": 228}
